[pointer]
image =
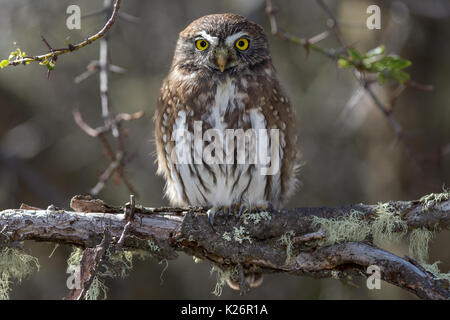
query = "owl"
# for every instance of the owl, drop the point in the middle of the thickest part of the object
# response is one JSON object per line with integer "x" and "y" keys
{"x": 220, "y": 107}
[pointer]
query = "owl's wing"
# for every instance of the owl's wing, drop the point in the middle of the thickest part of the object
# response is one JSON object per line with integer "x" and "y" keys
{"x": 279, "y": 114}
{"x": 165, "y": 117}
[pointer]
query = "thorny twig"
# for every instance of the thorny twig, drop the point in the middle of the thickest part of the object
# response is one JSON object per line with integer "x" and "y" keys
{"x": 57, "y": 52}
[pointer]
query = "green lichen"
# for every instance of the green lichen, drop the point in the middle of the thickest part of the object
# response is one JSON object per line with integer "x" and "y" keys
{"x": 196, "y": 259}
{"x": 418, "y": 243}
{"x": 343, "y": 229}
{"x": 153, "y": 246}
{"x": 241, "y": 234}
{"x": 388, "y": 225}
{"x": 286, "y": 240}
{"x": 256, "y": 217}
{"x": 430, "y": 200}
{"x": 15, "y": 265}
{"x": 335, "y": 274}
{"x": 227, "y": 236}
{"x": 434, "y": 269}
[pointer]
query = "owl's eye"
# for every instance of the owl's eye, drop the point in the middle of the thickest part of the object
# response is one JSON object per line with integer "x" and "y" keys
{"x": 242, "y": 44}
{"x": 201, "y": 44}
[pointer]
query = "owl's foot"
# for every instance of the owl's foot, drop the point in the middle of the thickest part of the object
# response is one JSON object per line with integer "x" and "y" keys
{"x": 231, "y": 210}
{"x": 212, "y": 213}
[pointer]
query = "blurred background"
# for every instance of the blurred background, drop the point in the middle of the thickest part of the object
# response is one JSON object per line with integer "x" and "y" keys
{"x": 351, "y": 154}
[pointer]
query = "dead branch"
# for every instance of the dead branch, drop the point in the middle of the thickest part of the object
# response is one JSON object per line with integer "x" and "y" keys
{"x": 188, "y": 230}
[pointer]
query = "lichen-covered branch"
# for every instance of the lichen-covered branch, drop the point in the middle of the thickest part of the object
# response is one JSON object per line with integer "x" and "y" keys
{"x": 320, "y": 242}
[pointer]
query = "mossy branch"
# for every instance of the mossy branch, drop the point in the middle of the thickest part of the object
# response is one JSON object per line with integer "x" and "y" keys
{"x": 317, "y": 244}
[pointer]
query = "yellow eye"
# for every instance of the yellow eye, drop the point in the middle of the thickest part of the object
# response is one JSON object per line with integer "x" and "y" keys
{"x": 201, "y": 44}
{"x": 242, "y": 44}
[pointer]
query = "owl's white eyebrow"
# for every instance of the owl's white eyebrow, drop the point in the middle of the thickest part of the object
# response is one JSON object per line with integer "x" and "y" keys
{"x": 231, "y": 39}
{"x": 211, "y": 39}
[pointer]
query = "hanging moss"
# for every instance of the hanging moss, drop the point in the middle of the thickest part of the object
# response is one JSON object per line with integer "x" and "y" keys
{"x": 222, "y": 277}
{"x": 418, "y": 243}
{"x": 286, "y": 240}
{"x": 343, "y": 229}
{"x": 15, "y": 265}
{"x": 164, "y": 269}
{"x": 388, "y": 226}
{"x": 75, "y": 257}
{"x": 96, "y": 290}
{"x": 115, "y": 265}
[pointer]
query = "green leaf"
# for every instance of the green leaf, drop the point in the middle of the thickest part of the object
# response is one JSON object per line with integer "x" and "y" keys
{"x": 343, "y": 63}
{"x": 401, "y": 63}
{"x": 12, "y": 55}
{"x": 382, "y": 78}
{"x": 401, "y": 76}
{"x": 4, "y": 63}
{"x": 354, "y": 54}
{"x": 51, "y": 65}
{"x": 375, "y": 51}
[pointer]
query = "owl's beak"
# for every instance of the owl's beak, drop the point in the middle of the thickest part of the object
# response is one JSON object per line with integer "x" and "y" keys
{"x": 221, "y": 58}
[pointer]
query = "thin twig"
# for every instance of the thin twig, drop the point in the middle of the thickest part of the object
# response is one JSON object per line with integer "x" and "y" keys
{"x": 70, "y": 48}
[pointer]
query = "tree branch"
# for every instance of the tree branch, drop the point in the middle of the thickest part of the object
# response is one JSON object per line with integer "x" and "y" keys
{"x": 243, "y": 241}
{"x": 57, "y": 52}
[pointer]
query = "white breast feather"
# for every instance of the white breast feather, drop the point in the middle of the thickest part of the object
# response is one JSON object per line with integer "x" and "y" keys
{"x": 221, "y": 193}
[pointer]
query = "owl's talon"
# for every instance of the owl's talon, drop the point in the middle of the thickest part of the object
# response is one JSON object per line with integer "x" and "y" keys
{"x": 212, "y": 213}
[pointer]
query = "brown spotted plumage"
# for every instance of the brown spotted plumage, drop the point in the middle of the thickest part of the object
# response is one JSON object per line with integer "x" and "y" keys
{"x": 224, "y": 87}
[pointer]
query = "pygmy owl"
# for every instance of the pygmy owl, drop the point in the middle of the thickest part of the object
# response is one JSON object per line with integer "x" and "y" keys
{"x": 222, "y": 91}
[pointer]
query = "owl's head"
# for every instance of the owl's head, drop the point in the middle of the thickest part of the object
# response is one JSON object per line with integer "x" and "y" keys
{"x": 221, "y": 43}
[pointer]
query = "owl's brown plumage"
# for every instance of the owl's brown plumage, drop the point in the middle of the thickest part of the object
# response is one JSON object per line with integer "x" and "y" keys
{"x": 224, "y": 87}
